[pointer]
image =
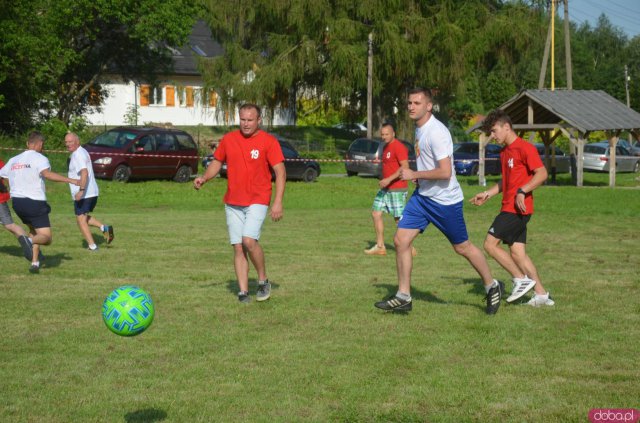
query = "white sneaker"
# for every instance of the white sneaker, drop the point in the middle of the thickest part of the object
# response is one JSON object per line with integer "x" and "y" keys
{"x": 520, "y": 287}
{"x": 541, "y": 300}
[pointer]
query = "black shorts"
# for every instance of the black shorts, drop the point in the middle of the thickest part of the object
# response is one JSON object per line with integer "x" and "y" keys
{"x": 34, "y": 213}
{"x": 510, "y": 227}
{"x": 85, "y": 206}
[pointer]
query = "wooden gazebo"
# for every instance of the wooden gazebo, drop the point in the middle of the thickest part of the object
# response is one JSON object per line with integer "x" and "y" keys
{"x": 574, "y": 113}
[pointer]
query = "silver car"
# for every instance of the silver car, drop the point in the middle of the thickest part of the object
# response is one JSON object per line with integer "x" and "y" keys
{"x": 596, "y": 158}
{"x": 563, "y": 161}
{"x": 365, "y": 156}
{"x": 634, "y": 148}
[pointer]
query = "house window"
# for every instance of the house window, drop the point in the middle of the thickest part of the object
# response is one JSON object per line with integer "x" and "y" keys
{"x": 156, "y": 95}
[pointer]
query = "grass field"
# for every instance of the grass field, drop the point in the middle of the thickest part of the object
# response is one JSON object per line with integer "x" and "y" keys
{"x": 318, "y": 350}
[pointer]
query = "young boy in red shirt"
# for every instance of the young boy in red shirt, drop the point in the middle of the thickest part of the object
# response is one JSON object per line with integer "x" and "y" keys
{"x": 522, "y": 172}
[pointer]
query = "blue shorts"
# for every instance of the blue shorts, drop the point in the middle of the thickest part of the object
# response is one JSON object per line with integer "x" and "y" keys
{"x": 421, "y": 210}
{"x": 34, "y": 213}
{"x": 245, "y": 221}
{"x": 85, "y": 206}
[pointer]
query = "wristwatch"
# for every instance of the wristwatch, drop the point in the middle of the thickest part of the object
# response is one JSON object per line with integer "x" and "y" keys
{"x": 521, "y": 191}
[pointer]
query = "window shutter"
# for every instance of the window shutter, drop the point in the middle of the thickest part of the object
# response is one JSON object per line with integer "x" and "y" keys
{"x": 189, "y": 91}
{"x": 170, "y": 93}
{"x": 94, "y": 97}
{"x": 144, "y": 95}
{"x": 213, "y": 98}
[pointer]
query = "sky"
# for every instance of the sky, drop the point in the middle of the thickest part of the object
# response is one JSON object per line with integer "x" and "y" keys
{"x": 624, "y": 14}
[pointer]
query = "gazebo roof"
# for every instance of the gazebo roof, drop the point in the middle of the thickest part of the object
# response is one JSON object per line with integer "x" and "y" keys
{"x": 584, "y": 110}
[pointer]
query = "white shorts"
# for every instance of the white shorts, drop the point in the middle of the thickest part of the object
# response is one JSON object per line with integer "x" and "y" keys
{"x": 245, "y": 221}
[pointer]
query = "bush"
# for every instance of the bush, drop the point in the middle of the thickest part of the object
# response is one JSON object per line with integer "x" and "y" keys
{"x": 54, "y": 131}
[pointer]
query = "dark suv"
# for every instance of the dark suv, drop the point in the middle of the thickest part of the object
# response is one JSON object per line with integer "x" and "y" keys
{"x": 143, "y": 153}
{"x": 370, "y": 152}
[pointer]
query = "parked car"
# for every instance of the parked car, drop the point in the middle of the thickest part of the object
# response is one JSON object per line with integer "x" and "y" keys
{"x": 125, "y": 153}
{"x": 370, "y": 151}
{"x": 466, "y": 158}
{"x": 634, "y": 148}
{"x": 596, "y": 158}
{"x": 359, "y": 129}
{"x": 297, "y": 168}
{"x": 563, "y": 161}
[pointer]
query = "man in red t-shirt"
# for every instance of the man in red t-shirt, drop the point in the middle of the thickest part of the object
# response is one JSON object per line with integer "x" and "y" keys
{"x": 7, "y": 221}
{"x": 249, "y": 153}
{"x": 392, "y": 194}
{"x": 522, "y": 172}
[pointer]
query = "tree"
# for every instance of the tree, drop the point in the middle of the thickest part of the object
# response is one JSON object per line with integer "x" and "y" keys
{"x": 54, "y": 54}
{"x": 275, "y": 48}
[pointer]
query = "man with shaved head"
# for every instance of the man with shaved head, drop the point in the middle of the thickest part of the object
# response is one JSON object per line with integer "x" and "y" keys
{"x": 85, "y": 196}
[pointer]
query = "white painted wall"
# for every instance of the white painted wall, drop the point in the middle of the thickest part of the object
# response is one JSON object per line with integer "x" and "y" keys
{"x": 122, "y": 95}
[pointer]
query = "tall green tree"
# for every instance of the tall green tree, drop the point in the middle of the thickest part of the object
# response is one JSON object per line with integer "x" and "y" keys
{"x": 54, "y": 54}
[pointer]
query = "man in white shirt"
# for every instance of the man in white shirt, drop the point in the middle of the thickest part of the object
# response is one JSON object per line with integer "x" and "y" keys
{"x": 438, "y": 200}
{"x": 85, "y": 196}
{"x": 26, "y": 173}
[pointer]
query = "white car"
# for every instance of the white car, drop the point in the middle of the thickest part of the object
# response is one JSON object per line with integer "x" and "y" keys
{"x": 596, "y": 158}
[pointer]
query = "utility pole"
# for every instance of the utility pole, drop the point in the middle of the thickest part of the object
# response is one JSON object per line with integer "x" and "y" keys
{"x": 545, "y": 60}
{"x": 567, "y": 45}
{"x": 626, "y": 88}
{"x": 370, "y": 88}
{"x": 553, "y": 41}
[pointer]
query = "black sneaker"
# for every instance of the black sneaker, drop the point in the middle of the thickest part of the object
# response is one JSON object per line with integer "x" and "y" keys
{"x": 394, "y": 303}
{"x": 27, "y": 247}
{"x": 243, "y": 297}
{"x": 493, "y": 298}
{"x": 264, "y": 291}
{"x": 34, "y": 268}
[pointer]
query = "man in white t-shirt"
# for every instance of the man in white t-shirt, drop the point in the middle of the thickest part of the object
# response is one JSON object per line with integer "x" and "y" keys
{"x": 438, "y": 200}
{"x": 26, "y": 173}
{"x": 85, "y": 196}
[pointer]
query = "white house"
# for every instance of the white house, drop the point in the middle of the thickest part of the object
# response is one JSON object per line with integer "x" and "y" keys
{"x": 178, "y": 99}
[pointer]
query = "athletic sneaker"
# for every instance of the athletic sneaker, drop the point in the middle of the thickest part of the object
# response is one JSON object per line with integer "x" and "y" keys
{"x": 34, "y": 268}
{"x": 108, "y": 233}
{"x": 376, "y": 250}
{"x": 27, "y": 247}
{"x": 493, "y": 298}
{"x": 93, "y": 249}
{"x": 243, "y": 297}
{"x": 538, "y": 301}
{"x": 520, "y": 287}
{"x": 264, "y": 291}
{"x": 394, "y": 303}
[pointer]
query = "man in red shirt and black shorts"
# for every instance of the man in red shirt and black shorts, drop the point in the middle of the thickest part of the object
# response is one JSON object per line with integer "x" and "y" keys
{"x": 249, "y": 153}
{"x": 522, "y": 172}
{"x": 392, "y": 194}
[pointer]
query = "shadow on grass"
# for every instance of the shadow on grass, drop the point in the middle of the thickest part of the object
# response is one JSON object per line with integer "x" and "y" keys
{"x": 232, "y": 286}
{"x": 15, "y": 251}
{"x": 427, "y": 296}
{"x": 49, "y": 261}
{"x": 54, "y": 260}
{"x": 416, "y": 294}
{"x": 389, "y": 247}
{"x": 148, "y": 415}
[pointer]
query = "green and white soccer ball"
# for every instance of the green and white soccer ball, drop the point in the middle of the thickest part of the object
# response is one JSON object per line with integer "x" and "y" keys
{"x": 128, "y": 311}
